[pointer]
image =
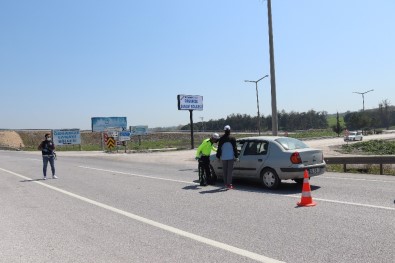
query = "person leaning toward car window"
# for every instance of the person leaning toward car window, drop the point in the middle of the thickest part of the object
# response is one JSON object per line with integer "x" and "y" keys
{"x": 203, "y": 153}
{"x": 47, "y": 148}
{"x": 227, "y": 152}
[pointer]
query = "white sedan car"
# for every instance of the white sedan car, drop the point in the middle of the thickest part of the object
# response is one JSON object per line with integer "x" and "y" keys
{"x": 353, "y": 136}
{"x": 272, "y": 159}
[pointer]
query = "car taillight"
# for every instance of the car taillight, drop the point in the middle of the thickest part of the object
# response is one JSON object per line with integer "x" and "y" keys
{"x": 295, "y": 158}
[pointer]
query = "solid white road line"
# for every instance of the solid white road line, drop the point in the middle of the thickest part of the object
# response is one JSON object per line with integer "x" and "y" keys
{"x": 171, "y": 229}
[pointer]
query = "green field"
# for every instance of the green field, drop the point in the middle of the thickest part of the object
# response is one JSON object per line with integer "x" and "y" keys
{"x": 332, "y": 121}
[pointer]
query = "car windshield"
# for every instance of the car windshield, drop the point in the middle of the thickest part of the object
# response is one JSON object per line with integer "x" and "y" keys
{"x": 291, "y": 143}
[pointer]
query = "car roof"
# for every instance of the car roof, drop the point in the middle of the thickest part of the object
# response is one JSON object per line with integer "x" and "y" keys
{"x": 261, "y": 138}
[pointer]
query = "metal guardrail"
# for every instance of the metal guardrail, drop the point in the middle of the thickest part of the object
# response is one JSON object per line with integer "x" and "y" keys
{"x": 382, "y": 159}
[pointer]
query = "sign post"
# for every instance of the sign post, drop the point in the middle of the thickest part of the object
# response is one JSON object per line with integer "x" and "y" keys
{"x": 124, "y": 137}
{"x": 111, "y": 137}
{"x": 191, "y": 123}
{"x": 191, "y": 103}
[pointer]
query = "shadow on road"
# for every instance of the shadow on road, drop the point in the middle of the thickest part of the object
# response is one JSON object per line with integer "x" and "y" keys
{"x": 192, "y": 187}
{"x": 285, "y": 188}
{"x": 214, "y": 191}
{"x": 207, "y": 189}
{"x": 188, "y": 169}
{"x": 32, "y": 180}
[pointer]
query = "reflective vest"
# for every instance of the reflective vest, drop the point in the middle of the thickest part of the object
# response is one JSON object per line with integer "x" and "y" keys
{"x": 205, "y": 148}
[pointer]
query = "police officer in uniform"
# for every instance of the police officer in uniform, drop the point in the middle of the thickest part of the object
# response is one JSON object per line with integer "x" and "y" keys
{"x": 203, "y": 153}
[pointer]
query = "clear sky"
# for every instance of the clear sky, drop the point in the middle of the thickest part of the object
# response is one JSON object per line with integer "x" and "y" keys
{"x": 63, "y": 62}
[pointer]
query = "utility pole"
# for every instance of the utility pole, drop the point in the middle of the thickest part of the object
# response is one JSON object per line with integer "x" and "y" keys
{"x": 363, "y": 97}
{"x": 202, "y": 124}
{"x": 257, "y": 100}
{"x": 272, "y": 70}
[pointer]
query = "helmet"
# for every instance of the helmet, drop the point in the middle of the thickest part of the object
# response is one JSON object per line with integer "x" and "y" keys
{"x": 215, "y": 136}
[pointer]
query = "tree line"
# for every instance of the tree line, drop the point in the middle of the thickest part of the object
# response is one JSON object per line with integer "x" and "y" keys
{"x": 245, "y": 123}
{"x": 382, "y": 117}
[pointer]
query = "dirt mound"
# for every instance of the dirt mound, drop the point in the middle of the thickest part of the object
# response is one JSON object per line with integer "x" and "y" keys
{"x": 11, "y": 139}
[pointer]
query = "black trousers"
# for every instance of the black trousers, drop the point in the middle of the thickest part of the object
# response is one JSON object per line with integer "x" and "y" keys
{"x": 206, "y": 166}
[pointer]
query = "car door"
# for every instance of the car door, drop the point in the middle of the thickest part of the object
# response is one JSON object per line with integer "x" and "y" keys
{"x": 252, "y": 158}
{"x": 240, "y": 149}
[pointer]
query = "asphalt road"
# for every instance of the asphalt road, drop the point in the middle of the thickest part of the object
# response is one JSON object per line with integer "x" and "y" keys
{"x": 149, "y": 208}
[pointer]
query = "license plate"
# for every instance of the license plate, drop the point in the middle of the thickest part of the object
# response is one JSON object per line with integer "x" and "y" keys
{"x": 314, "y": 170}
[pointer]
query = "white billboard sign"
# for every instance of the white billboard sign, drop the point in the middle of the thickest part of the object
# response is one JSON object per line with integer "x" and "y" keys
{"x": 66, "y": 137}
{"x": 139, "y": 130}
{"x": 190, "y": 102}
{"x": 100, "y": 124}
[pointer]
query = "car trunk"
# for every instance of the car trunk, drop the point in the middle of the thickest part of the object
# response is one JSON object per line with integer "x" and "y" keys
{"x": 311, "y": 156}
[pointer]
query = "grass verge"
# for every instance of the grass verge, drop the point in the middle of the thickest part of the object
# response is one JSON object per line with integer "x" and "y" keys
{"x": 361, "y": 169}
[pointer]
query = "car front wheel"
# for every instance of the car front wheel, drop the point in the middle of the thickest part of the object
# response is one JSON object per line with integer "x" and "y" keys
{"x": 270, "y": 179}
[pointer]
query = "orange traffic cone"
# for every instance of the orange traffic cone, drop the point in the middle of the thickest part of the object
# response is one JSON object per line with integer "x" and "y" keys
{"x": 306, "y": 200}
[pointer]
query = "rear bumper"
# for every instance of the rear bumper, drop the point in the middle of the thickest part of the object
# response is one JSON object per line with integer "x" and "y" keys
{"x": 300, "y": 169}
{"x": 298, "y": 172}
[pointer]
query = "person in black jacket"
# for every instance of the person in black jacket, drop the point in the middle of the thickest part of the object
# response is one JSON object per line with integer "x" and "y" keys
{"x": 227, "y": 152}
{"x": 47, "y": 148}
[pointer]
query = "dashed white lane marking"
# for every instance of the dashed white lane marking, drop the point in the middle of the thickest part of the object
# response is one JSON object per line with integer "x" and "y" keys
{"x": 356, "y": 204}
{"x": 137, "y": 175}
{"x": 32, "y": 159}
{"x": 293, "y": 196}
{"x": 354, "y": 179}
{"x": 207, "y": 241}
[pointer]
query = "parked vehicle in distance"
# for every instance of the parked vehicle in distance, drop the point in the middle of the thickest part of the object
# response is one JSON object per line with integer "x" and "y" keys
{"x": 271, "y": 159}
{"x": 353, "y": 136}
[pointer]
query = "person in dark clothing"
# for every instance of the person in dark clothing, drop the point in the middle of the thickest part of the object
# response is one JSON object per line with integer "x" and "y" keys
{"x": 47, "y": 148}
{"x": 227, "y": 152}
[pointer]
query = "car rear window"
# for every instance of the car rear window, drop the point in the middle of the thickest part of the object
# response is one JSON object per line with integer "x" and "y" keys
{"x": 291, "y": 143}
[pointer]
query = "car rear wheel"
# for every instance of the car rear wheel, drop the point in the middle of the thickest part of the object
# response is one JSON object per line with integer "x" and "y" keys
{"x": 270, "y": 179}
